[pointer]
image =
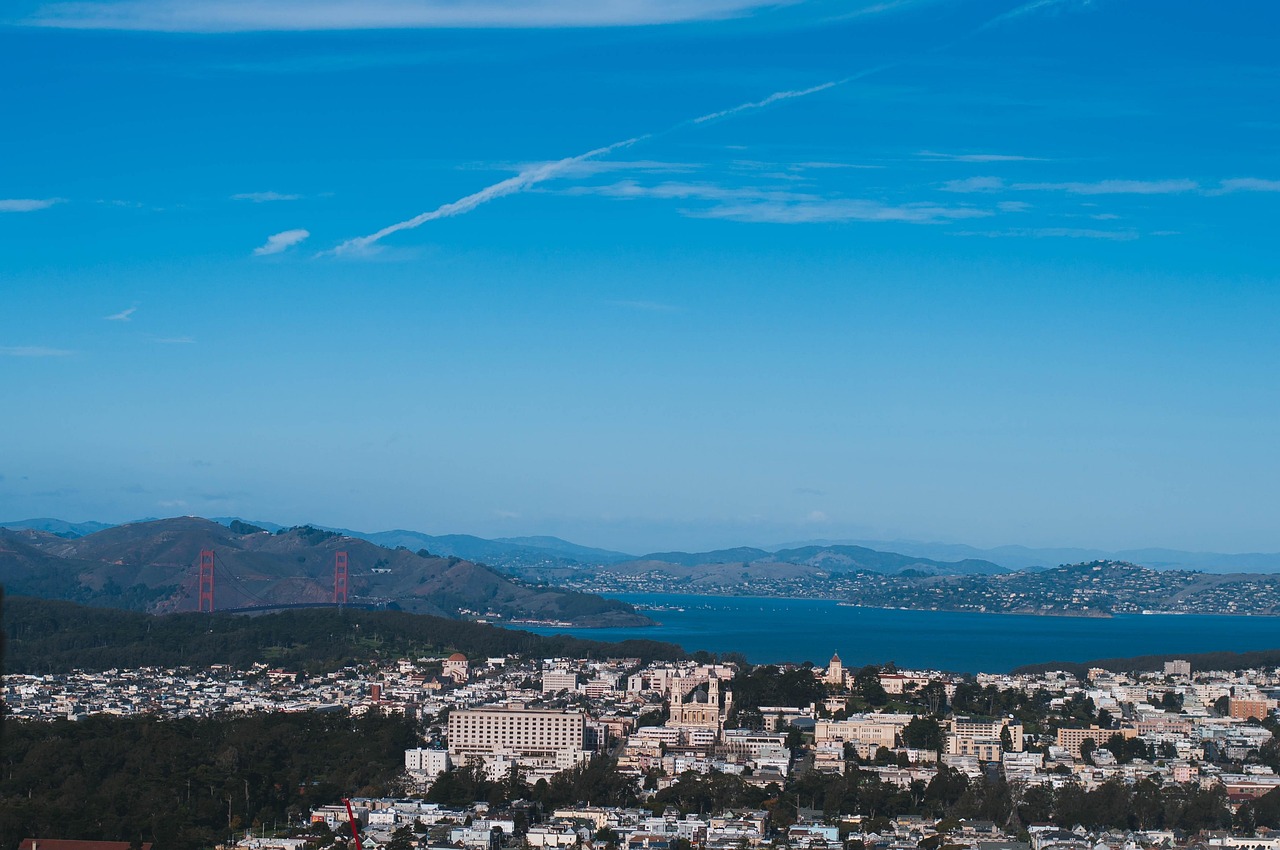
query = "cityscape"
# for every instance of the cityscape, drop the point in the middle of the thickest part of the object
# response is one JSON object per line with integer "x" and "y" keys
{"x": 501, "y": 727}
{"x": 639, "y": 425}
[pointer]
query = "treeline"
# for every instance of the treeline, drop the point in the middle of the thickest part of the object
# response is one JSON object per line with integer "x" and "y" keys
{"x": 1147, "y": 663}
{"x": 185, "y": 784}
{"x": 49, "y": 636}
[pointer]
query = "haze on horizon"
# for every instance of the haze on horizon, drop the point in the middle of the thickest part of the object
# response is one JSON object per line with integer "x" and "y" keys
{"x": 647, "y": 276}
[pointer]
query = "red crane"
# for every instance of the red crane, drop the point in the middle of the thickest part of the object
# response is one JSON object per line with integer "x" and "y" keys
{"x": 351, "y": 821}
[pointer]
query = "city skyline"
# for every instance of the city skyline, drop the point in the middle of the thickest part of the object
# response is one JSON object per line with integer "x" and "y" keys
{"x": 646, "y": 276}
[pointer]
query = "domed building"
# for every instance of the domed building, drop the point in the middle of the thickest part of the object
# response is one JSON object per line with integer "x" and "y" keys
{"x": 457, "y": 668}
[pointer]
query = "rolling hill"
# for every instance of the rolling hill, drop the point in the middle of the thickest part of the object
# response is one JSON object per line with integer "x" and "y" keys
{"x": 151, "y": 566}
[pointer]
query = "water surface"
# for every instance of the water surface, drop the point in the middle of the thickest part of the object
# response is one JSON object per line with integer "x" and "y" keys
{"x": 772, "y": 630}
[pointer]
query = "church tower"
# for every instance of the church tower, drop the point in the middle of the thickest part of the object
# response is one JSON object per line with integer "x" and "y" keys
{"x": 835, "y": 671}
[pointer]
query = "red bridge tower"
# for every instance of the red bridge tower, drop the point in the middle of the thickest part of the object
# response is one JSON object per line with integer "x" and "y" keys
{"x": 206, "y": 581}
{"x": 340, "y": 578}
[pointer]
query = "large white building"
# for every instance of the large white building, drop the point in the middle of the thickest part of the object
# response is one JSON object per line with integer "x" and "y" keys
{"x": 426, "y": 763}
{"x": 520, "y": 732}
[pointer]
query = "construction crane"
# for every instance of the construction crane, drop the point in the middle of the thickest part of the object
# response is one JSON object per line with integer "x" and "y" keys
{"x": 351, "y": 821}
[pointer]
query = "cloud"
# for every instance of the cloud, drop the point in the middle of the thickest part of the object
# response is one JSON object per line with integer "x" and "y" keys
{"x": 1246, "y": 184}
{"x": 1055, "y": 233}
{"x": 240, "y": 16}
{"x": 34, "y": 351}
{"x": 974, "y": 184}
{"x": 1114, "y": 187}
{"x": 280, "y": 242}
{"x": 1013, "y": 206}
{"x": 977, "y": 157}
{"x": 837, "y": 210}
{"x": 779, "y": 206}
{"x": 627, "y": 189}
{"x": 1099, "y": 187}
{"x": 122, "y": 316}
{"x": 264, "y": 197}
{"x": 816, "y": 516}
{"x": 27, "y": 204}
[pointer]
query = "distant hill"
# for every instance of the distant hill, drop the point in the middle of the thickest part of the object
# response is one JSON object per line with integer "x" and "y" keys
{"x": 808, "y": 560}
{"x": 60, "y": 527}
{"x": 1029, "y": 558}
{"x": 586, "y": 554}
{"x": 740, "y": 555}
{"x": 152, "y": 566}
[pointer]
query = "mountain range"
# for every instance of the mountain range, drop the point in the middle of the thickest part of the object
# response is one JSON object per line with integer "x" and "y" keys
{"x": 151, "y": 566}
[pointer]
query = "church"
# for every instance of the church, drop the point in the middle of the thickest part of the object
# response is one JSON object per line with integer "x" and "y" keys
{"x": 694, "y": 708}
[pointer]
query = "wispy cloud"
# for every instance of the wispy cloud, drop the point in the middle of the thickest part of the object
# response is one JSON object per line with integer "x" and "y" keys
{"x": 264, "y": 197}
{"x": 1115, "y": 187}
{"x": 753, "y": 204}
{"x": 837, "y": 210}
{"x": 1054, "y": 233}
{"x": 27, "y": 204}
{"x": 977, "y": 157}
{"x": 239, "y": 16}
{"x": 974, "y": 184}
{"x": 34, "y": 351}
{"x": 125, "y": 315}
{"x": 281, "y": 242}
{"x": 627, "y": 189}
{"x": 1099, "y": 187}
{"x": 1246, "y": 184}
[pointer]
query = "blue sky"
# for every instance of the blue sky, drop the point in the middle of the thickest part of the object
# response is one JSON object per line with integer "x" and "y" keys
{"x": 987, "y": 272}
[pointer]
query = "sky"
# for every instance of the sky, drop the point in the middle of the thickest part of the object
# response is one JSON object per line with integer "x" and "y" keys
{"x": 646, "y": 275}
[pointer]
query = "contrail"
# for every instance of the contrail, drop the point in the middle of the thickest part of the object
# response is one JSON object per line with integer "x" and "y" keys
{"x": 546, "y": 171}
{"x": 773, "y": 98}
{"x": 539, "y": 173}
{"x": 529, "y": 177}
{"x": 1019, "y": 11}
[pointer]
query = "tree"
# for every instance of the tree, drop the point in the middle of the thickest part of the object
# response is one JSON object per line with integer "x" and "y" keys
{"x": 923, "y": 733}
{"x": 1087, "y": 746}
{"x": 1006, "y": 739}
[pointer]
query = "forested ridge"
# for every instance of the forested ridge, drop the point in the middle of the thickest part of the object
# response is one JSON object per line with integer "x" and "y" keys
{"x": 49, "y": 636}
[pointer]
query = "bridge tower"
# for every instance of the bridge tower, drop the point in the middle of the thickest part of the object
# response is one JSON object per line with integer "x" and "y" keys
{"x": 206, "y": 581}
{"x": 340, "y": 578}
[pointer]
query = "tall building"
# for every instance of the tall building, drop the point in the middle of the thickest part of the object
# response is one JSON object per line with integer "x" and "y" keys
{"x": 1177, "y": 667}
